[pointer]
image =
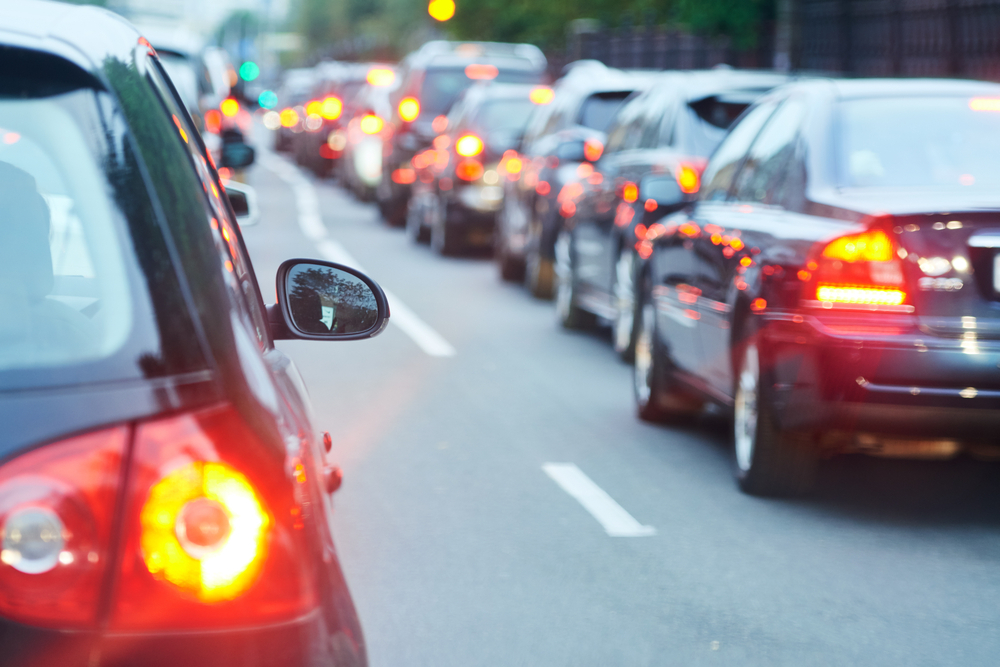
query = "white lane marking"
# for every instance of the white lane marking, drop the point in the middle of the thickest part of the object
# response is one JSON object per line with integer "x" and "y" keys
{"x": 311, "y": 223}
{"x": 612, "y": 516}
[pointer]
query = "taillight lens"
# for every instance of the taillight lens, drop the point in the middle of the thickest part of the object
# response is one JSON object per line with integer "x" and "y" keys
{"x": 469, "y": 170}
{"x": 592, "y": 150}
{"x": 371, "y": 124}
{"x": 409, "y": 109}
{"x": 331, "y": 108}
{"x": 314, "y": 107}
{"x": 56, "y": 508}
{"x": 858, "y": 269}
{"x": 289, "y": 117}
{"x": 229, "y": 107}
{"x": 469, "y": 145}
{"x": 688, "y": 178}
{"x": 212, "y": 534}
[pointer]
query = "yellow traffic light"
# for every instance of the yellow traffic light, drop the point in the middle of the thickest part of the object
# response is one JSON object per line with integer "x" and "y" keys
{"x": 441, "y": 10}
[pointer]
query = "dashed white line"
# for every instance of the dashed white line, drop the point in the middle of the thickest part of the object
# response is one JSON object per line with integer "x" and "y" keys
{"x": 311, "y": 223}
{"x": 616, "y": 521}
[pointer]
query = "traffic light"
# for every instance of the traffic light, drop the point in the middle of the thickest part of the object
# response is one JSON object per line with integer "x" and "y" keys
{"x": 249, "y": 71}
{"x": 441, "y": 10}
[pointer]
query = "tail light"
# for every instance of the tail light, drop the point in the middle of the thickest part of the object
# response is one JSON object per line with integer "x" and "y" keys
{"x": 404, "y": 176}
{"x": 542, "y": 95}
{"x": 592, "y": 150}
{"x": 381, "y": 77}
{"x": 481, "y": 72}
{"x": 56, "y": 508}
{"x": 229, "y": 107}
{"x": 688, "y": 178}
{"x": 858, "y": 269}
{"x": 371, "y": 124}
{"x": 469, "y": 145}
{"x": 469, "y": 170}
{"x": 439, "y": 124}
{"x": 409, "y": 109}
{"x": 630, "y": 192}
{"x": 331, "y": 108}
{"x": 212, "y": 533}
{"x": 314, "y": 107}
{"x": 213, "y": 121}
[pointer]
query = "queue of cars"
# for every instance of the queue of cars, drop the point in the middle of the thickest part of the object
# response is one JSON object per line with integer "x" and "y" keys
{"x": 814, "y": 256}
{"x": 164, "y": 496}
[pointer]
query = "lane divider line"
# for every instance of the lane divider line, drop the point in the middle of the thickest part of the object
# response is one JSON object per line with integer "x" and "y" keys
{"x": 311, "y": 224}
{"x": 617, "y": 522}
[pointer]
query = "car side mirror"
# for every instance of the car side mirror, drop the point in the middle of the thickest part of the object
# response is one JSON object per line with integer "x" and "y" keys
{"x": 661, "y": 188}
{"x": 236, "y": 155}
{"x": 320, "y": 300}
{"x": 243, "y": 199}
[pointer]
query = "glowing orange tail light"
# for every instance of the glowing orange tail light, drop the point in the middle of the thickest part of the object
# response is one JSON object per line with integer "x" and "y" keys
{"x": 479, "y": 72}
{"x": 592, "y": 150}
{"x": 688, "y": 178}
{"x": 409, "y": 109}
{"x": 289, "y": 117}
{"x": 229, "y": 107}
{"x": 469, "y": 170}
{"x": 871, "y": 246}
{"x": 213, "y": 121}
{"x": 381, "y": 77}
{"x": 371, "y": 124}
{"x": 542, "y": 95}
{"x": 860, "y": 294}
{"x": 331, "y": 108}
{"x": 859, "y": 270}
{"x": 630, "y": 192}
{"x": 469, "y": 145}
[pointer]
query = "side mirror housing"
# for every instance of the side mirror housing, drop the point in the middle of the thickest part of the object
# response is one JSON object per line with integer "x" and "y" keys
{"x": 243, "y": 199}
{"x": 236, "y": 155}
{"x": 320, "y": 300}
{"x": 663, "y": 189}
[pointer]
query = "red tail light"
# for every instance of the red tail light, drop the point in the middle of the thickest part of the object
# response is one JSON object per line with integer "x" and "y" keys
{"x": 688, "y": 178}
{"x": 858, "y": 269}
{"x": 331, "y": 108}
{"x": 469, "y": 145}
{"x": 469, "y": 170}
{"x": 314, "y": 107}
{"x": 213, "y": 121}
{"x": 630, "y": 192}
{"x": 56, "y": 508}
{"x": 289, "y": 117}
{"x": 229, "y": 107}
{"x": 404, "y": 176}
{"x": 371, "y": 124}
{"x": 212, "y": 535}
{"x": 409, "y": 109}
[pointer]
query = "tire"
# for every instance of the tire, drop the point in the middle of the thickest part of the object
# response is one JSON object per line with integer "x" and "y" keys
{"x": 511, "y": 268}
{"x": 539, "y": 275}
{"x": 569, "y": 314}
{"x": 625, "y": 324}
{"x": 659, "y": 397}
{"x": 445, "y": 234}
{"x": 769, "y": 461}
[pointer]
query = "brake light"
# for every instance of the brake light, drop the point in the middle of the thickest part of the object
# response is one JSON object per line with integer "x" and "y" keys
{"x": 592, "y": 150}
{"x": 289, "y": 117}
{"x": 213, "y": 121}
{"x": 688, "y": 178}
{"x": 439, "y": 124}
{"x": 331, "y": 108}
{"x": 630, "y": 192}
{"x": 469, "y": 170}
{"x": 381, "y": 77}
{"x": 314, "y": 107}
{"x": 229, "y": 107}
{"x": 858, "y": 269}
{"x": 212, "y": 532}
{"x": 56, "y": 509}
{"x": 469, "y": 145}
{"x": 371, "y": 124}
{"x": 409, "y": 109}
{"x": 404, "y": 176}
{"x": 479, "y": 72}
{"x": 542, "y": 95}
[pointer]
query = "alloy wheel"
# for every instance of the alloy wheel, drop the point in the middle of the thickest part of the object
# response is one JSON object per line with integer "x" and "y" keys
{"x": 746, "y": 411}
{"x": 624, "y": 295}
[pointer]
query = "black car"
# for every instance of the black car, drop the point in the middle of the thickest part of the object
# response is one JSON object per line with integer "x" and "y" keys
{"x": 837, "y": 284}
{"x": 432, "y": 79}
{"x": 560, "y": 137}
{"x": 164, "y": 498}
{"x": 457, "y": 207}
{"x": 668, "y": 130}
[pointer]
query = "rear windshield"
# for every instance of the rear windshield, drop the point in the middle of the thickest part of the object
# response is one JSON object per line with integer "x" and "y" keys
{"x": 597, "y": 110}
{"x": 441, "y": 87}
{"x": 920, "y": 142}
{"x": 504, "y": 115}
{"x": 703, "y": 124}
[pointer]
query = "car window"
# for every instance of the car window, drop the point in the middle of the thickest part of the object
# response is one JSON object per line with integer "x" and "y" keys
{"x": 598, "y": 110}
{"x": 725, "y": 161}
{"x": 236, "y": 261}
{"x": 762, "y": 177}
{"x": 442, "y": 86}
{"x": 918, "y": 142}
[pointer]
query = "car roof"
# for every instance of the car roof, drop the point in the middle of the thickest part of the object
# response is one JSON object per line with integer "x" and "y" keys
{"x": 848, "y": 88}
{"x": 694, "y": 85}
{"x": 441, "y": 53}
{"x": 85, "y": 35}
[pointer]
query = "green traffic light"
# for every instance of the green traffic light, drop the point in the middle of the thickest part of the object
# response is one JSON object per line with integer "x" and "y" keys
{"x": 249, "y": 71}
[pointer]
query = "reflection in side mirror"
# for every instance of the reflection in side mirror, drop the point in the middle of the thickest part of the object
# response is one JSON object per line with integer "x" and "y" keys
{"x": 662, "y": 189}
{"x": 243, "y": 199}
{"x": 325, "y": 301}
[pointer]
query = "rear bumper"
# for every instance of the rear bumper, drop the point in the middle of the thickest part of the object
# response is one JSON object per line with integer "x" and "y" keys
{"x": 305, "y": 642}
{"x": 907, "y": 384}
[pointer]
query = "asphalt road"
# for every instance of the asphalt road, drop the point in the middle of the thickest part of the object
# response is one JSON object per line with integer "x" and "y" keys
{"x": 460, "y": 549}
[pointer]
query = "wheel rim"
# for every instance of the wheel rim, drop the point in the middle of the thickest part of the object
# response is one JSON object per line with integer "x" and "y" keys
{"x": 564, "y": 276}
{"x": 643, "y": 369}
{"x": 746, "y": 415}
{"x": 624, "y": 292}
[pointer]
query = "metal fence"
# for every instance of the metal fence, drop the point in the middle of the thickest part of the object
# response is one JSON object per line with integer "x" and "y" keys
{"x": 899, "y": 37}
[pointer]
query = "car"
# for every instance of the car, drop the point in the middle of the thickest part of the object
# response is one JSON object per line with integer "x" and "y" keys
{"x": 456, "y": 207}
{"x": 366, "y": 133}
{"x": 164, "y": 496}
{"x": 431, "y": 79}
{"x": 559, "y": 138}
{"x": 836, "y": 284}
{"x": 293, "y": 93}
{"x": 671, "y": 128}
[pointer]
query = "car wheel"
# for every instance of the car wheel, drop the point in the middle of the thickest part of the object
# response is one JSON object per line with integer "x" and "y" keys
{"x": 539, "y": 271}
{"x": 769, "y": 461}
{"x": 570, "y": 315}
{"x": 658, "y": 395}
{"x": 444, "y": 233}
{"x": 626, "y": 311}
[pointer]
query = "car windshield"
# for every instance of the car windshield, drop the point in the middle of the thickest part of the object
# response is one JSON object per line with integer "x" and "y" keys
{"x": 63, "y": 285}
{"x": 920, "y": 142}
{"x": 441, "y": 87}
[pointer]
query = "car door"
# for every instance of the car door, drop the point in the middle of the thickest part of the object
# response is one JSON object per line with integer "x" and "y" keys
{"x": 754, "y": 215}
